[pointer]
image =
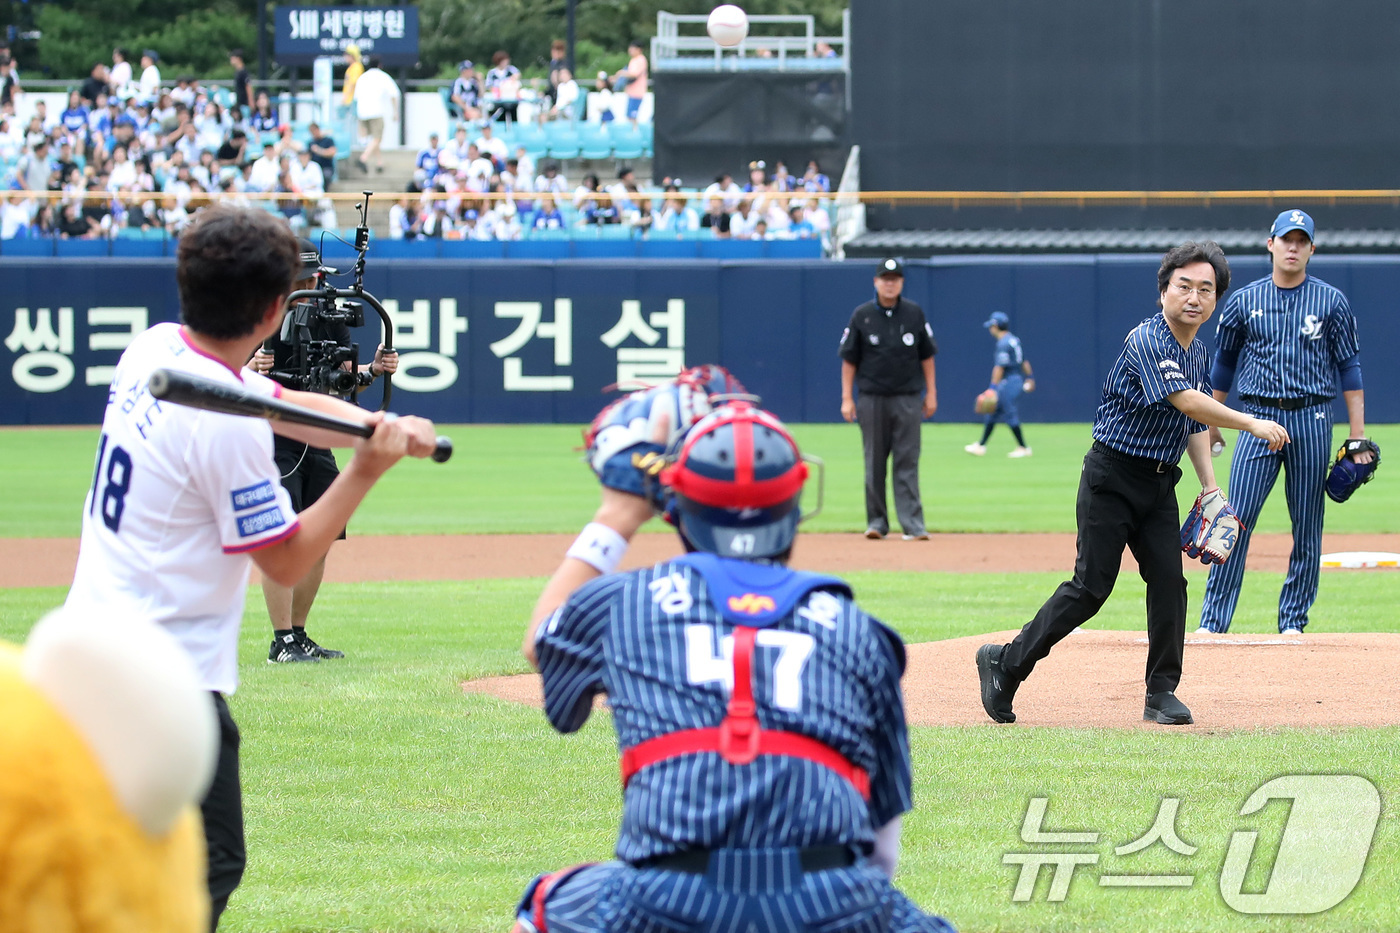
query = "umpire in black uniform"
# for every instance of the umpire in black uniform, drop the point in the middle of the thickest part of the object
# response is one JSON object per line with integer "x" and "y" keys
{"x": 887, "y": 352}
{"x": 307, "y": 472}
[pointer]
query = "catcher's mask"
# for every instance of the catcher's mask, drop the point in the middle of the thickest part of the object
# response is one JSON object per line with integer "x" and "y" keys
{"x": 737, "y": 482}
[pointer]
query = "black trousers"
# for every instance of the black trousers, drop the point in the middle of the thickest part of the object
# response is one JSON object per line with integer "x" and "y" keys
{"x": 222, "y": 809}
{"x": 1123, "y": 502}
{"x": 890, "y": 427}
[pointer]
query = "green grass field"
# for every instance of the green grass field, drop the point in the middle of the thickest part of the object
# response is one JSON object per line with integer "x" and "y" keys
{"x": 529, "y": 478}
{"x": 381, "y": 798}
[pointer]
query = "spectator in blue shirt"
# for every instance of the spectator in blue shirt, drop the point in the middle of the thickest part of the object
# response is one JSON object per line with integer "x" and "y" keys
{"x": 75, "y": 121}
{"x": 800, "y": 228}
{"x": 425, "y": 168}
{"x": 813, "y": 180}
{"x": 548, "y": 216}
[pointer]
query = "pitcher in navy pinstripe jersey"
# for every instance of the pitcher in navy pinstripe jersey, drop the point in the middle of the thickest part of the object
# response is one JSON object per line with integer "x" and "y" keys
{"x": 758, "y": 710}
{"x": 1293, "y": 339}
{"x": 1155, "y": 407}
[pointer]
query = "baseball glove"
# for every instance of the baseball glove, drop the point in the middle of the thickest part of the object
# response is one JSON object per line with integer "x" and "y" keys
{"x": 1212, "y": 529}
{"x": 1346, "y": 475}
{"x": 986, "y": 402}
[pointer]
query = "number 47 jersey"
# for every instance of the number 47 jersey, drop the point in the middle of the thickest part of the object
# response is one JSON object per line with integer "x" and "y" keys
{"x": 688, "y": 648}
{"x": 179, "y": 498}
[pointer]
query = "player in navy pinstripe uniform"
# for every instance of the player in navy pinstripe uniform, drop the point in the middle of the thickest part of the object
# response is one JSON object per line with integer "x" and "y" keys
{"x": 758, "y": 709}
{"x": 1292, "y": 338}
{"x": 1155, "y": 407}
{"x": 1011, "y": 375}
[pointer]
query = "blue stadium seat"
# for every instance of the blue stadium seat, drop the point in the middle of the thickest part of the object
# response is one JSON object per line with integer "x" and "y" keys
{"x": 595, "y": 142}
{"x": 563, "y": 141}
{"x": 532, "y": 138}
{"x": 627, "y": 140}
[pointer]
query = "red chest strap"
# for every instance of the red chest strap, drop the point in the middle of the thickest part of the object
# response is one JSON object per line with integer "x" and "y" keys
{"x": 739, "y": 739}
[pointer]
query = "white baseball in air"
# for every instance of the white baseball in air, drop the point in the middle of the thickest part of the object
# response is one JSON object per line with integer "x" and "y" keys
{"x": 728, "y": 25}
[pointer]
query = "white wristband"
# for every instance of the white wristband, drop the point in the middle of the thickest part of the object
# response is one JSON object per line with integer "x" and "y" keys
{"x": 600, "y": 547}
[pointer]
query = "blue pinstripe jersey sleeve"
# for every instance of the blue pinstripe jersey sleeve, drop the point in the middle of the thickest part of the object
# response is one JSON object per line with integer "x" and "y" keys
{"x": 569, "y": 648}
{"x": 1230, "y": 332}
{"x": 1152, "y": 364}
{"x": 891, "y": 781}
{"x": 1341, "y": 331}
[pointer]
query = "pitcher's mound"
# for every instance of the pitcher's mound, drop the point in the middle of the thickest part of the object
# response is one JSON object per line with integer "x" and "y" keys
{"x": 1095, "y": 679}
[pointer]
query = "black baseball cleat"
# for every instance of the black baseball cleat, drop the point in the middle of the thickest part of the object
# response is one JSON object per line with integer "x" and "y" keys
{"x": 315, "y": 650}
{"x": 288, "y": 650}
{"x": 1166, "y": 709}
{"x": 998, "y": 688}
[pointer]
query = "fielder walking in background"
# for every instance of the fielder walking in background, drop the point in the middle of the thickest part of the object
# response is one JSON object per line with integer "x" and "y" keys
{"x": 1155, "y": 407}
{"x": 887, "y": 352}
{"x": 1011, "y": 375}
{"x": 1292, "y": 339}
{"x": 765, "y": 757}
{"x": 184, "y": 500}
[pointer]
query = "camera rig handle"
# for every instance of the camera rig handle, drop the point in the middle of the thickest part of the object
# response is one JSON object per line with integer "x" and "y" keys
{"x": 357, "y": 292}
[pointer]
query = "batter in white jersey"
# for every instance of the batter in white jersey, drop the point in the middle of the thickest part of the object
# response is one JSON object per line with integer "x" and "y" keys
{"x": 182, "y": 500}
{"x": 179, "y": 498}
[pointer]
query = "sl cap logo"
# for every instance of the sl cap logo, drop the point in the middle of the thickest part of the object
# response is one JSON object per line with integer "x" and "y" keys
{"x": 752, "y": 604}
{"x": 1296, "y": 217}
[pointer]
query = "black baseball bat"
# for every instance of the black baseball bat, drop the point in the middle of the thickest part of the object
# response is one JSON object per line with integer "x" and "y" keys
{"x": 196, "y": 392}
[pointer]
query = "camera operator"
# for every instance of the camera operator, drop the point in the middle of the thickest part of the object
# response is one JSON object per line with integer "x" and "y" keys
{"x": 307, "y": 472}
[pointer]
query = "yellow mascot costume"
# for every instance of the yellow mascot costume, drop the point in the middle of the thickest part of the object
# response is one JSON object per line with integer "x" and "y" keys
{"x": 106, "y": 746}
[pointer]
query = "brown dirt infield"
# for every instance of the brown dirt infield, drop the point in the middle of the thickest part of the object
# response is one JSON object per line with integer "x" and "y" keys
{"x": 50, "y": 561}
{"x": 1092, "y": 679}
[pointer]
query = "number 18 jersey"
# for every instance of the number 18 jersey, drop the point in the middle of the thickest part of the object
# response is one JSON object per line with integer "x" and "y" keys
{"x": 179, "y": 498}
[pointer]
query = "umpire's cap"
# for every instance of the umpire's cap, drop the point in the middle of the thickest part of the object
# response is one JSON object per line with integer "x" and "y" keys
{"x": 310, "y": 258}
{"x": 891, "y": 266}
{"x": 737, "y": 481}
{"x": 1292, "y": 220}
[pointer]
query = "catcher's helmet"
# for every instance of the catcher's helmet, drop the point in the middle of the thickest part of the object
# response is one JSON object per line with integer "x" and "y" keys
{"x": 737, "y": 481}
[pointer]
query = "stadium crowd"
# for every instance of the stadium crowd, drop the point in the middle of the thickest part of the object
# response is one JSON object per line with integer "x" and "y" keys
{"x": 129, "y": 153}
{"x": 476, "y": 189}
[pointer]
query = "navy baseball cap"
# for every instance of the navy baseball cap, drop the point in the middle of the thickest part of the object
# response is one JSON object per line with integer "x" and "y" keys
{"x": 464, "y": 64}
{"x": 998, "y": 319}
{"x": 891, "y": 266}
{"x": 1292, "y": 220}
{"x": 310, "y": 258}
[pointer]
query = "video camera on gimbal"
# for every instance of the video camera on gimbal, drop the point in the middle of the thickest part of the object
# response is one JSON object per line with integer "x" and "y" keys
{"x": 318, "y": 365}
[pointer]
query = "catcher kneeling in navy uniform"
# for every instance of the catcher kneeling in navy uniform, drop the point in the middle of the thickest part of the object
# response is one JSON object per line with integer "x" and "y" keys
{"x": 765, "y": 758}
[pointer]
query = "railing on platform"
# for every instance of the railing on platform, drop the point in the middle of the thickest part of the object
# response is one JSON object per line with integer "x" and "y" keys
{"x": 681, "y": 43}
